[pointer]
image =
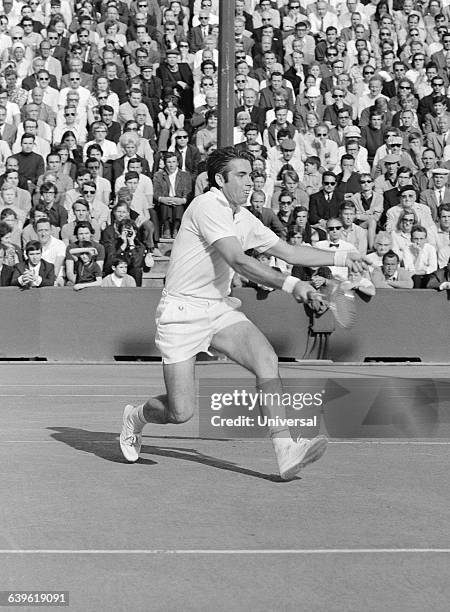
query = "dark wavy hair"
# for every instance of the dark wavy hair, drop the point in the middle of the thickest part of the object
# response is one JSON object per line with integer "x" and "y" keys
{"x": 217, "y": 162}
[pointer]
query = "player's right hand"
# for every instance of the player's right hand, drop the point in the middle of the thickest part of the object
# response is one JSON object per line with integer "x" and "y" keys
{"x": 356, "y": 262}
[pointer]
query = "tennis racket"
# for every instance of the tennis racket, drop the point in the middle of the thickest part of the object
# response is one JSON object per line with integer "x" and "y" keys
{"x": 338, "y": 297}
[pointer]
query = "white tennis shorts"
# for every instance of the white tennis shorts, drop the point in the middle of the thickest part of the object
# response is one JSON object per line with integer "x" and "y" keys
{"x": 185, "y": 327}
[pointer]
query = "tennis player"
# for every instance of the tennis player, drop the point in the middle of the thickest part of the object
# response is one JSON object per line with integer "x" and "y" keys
{"x": 196, "y": 312}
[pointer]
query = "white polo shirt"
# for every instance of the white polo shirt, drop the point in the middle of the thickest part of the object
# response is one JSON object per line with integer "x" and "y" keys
{"x": 196, "y": 268}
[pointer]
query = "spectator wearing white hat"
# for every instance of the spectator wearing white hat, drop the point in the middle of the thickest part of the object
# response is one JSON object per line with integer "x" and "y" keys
{"x": 325, "y": 149}
{"x": 393, "y": 147}
{"x": 440, "y": 193}
{"x": 352, "y": 146}
{"x": 314, "y": 104}
{"x": 408, "y": 201}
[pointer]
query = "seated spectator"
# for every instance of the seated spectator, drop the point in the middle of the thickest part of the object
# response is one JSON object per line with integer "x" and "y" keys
{"x": 242, "y": 120}
{"x": 288, "y": 158}
{"x": 188, "y": 154}
{"x": 325, "y": 203}
{"x": 439, "y": 194}
{"x": 70, "y": 143}
{"x": 252, "y": 142}
{"x": 299, "y": 221}
{"x": 119, "y": 212}
{"x": 420, "y": 257}
{"x": 31, "y": 165}
{"x": 207, "y": 135}
{"x": 129, "y": 145}
{"x": 35, "y": 271}
{"x": 53, "y": 250}
{"x": 312, "y": 178}
{"x": 170, "y": 119}
{"x": 56, "y": 213}
{"x": 290, "y": 182}
{"x": 28, "y": 232}
{"x": 440, "y": 279}
{"x": 119, "y": 276}
{"x": 439, "y": 235}
{"x": 99, "y": 212}
{"x": 390, "y": 275}
{"x": 9, "y": 216}
{"x": 87, "y": 271}
{"x": 8, "y": 199}
{"x": 347, "y": 179}
{"x": 335, "y": 242}
{"x": 259, "y": 178}
{"x": 369, "y": 207}
{"x": 408, "y": 197}
{"x": 172, "y": 188}
{"x": 322, "y": 147}
{"x": 68, "y": 164}
{"x": 13, "y": 253}
{"x": 6, "y": 272}
{"x": 286, "y": 206}
{"x": 401, "y": 236}
{"x": 382, "y": 244}
{"x": 127, "y": 245}
{"x": 265, "y": 215}
{"x": 81, "y": 213}
{"x": 139, "y": 213}
{"x": 351, "y": 232}
{"x": 83, "y": 232}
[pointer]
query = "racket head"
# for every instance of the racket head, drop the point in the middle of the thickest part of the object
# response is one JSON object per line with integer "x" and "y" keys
{"x": 341, "y": 301}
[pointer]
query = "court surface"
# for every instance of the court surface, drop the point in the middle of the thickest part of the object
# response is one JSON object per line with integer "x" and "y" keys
{"x": 204, "y": 525}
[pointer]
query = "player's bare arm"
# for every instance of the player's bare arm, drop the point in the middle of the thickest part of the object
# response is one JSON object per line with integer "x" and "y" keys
{"x": 310, "y": 256}
{"x": 250, "y": 268}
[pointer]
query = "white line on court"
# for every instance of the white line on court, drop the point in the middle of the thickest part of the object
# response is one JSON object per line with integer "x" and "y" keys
{"x": 300, "y": 551}
{"x": 71, "y": 385}
{"x": 55, "y": 395}
{"x": 412, "y": 442}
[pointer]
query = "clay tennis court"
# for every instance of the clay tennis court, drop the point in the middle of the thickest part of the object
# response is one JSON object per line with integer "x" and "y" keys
{"x": 200, "y": 524}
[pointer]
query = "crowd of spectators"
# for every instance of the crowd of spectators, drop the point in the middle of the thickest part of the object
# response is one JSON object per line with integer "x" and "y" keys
{"x": 108, "y": 111}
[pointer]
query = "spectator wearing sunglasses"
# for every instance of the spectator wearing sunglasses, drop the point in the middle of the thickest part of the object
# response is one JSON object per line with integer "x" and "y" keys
{"x": 335, "y": 242}
{"x": 70, "y": 122}
{"x": 331, "y": 116}
{"x": 32, "y": 80}
{"x": 324, "y": 204}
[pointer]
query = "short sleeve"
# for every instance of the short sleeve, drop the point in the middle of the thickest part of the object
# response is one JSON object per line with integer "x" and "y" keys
{"x": 213, "y": 221}
{"x": 256, "y": 235}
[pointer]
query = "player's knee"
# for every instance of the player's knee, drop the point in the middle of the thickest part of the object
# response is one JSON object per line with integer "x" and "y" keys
{"x": 267, "y": 365}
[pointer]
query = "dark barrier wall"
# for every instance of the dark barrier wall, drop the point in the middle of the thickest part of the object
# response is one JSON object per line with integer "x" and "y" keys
{"x": 101, "y": 324}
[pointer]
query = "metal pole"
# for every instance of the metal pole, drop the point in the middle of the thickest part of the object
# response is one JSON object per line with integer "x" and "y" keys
{"x": 226, "y": 73}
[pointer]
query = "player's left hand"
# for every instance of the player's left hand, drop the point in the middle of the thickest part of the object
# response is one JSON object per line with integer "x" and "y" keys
{"x": 304, "y": 292}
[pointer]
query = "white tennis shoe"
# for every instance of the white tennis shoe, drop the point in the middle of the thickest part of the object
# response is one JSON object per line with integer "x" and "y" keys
{"x": 294, "y": 455}
{"x": 130, "y": 436}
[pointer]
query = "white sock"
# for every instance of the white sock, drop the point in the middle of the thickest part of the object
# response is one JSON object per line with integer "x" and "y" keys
{"x": 138, "y": 417}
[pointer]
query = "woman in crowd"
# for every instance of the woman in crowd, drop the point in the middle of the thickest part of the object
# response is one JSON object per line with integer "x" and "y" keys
{"x": 170, "y": 119}
{"x": 102, "y": 95}
{"x": 69, "y": 140}
{"x": 207, "y": 135}
{"x": 401, "y": 236}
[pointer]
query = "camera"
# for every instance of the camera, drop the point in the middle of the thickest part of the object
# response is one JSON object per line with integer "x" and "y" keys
{"x": 129, "y": 232}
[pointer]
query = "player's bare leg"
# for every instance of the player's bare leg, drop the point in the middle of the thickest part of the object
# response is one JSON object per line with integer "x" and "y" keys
{"x": 177, "y": 406}
{"x": 245, "y": 344}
